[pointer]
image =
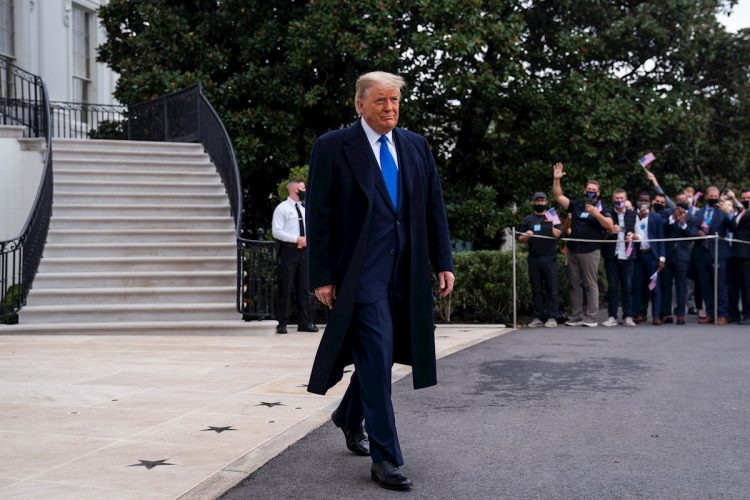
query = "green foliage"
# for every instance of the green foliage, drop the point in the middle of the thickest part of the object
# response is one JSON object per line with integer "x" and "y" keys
{"x": 484, "y": 288}
{"x": 501, "y": 88}
{"x": 294, "y": 173}
{"x": 110, "y": 129}
{"x": 11, "y": 302}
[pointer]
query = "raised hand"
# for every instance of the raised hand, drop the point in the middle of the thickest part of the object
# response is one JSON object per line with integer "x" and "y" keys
{"x": 557, "y": 171}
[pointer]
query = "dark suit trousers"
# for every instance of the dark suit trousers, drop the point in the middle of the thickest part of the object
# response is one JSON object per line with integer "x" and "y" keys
{"x": 706, "y": 278}
{"x": 543, "y": 277}
{"x": 293, "y": 275}
{"x": 745, "y": 273}
{"x": 675, "y": 273}
{"x": 648, "y": 264}
{"x": 619, "y": 284}
{"x": 369, "y": 393}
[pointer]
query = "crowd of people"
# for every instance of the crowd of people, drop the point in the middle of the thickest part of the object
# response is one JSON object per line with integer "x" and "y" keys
{"x": 684, "y": 255}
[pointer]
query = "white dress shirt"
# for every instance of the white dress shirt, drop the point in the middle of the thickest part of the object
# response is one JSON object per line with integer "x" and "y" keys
{"x": 374, "y": 139}
{"x": 285, "y": 223}
{"x": 642, "y": 230}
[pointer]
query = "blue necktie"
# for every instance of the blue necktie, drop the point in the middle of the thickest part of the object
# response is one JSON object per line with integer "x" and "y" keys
{"x": 390, "y": 171}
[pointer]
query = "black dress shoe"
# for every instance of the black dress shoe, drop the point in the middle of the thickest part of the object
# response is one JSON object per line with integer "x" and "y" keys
{"x": 310, "y": 327}
{"x": 356, "y": 439}
{"x": 281, "y": 329}
{"x": 389, "y": 476}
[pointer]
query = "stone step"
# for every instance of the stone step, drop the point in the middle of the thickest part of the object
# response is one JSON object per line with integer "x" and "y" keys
{"x": 129, "y": 236}
{"x": 135, "y": 176}
{"x": 12, "y": 131}
{"x": 125, "y": 146}
{"x": 117, "y": 250}
{"x": 137, "y": 279}
{"x": 116, "y": 223}
{"x": 121, "y": 187}
{"x": 33, "y": 144}
{"x": 137, "y": 198}
{"x": 125, "y": 210}
{"x": 127, "y": 264}
{"x": 124, "y": 164}
{"x": 130, "y": 157}
{"x": 151, "y": 295}
{"x": 97, "y": 313}
{"x": 224, "y": 327}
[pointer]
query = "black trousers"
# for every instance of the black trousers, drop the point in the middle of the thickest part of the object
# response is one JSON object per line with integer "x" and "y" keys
{"x": 293, "y": 275}
{"x": 619, "y": 285}
{"x": 745, "y": 287}
{"x": 543, "y": 277}
{"x": 675, "y": 273}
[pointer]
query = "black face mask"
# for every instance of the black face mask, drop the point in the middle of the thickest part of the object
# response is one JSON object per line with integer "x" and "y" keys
{"x": 683, "y": 206}
{"x": 712, "y": 201}
{"x": 301, "y": 195}
{"x": 658, "y": 207}
{"x": 540, "y": 208}
{"x": 746, "y": 204}
{"x": 592, "y": 197}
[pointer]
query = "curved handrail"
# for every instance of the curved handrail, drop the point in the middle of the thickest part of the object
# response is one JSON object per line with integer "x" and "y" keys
{"x": 20, "y": 256}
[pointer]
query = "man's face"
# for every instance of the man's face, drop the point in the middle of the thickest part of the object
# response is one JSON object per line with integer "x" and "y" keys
{"x": 712, "y": 194}
{"x": 745, "y": 196}
{"x": 379, "y": 108}
{"x": 659, "y": 203}
{"x": 644, "y": 198}
{"x": 592, "y": 188}
{"x": 540, "y": 204}
{"x": 680, "y": 198}
{"x": 689, "y": 192}
{"x": 301, "y": 187}
{"x": 619, "y": 200}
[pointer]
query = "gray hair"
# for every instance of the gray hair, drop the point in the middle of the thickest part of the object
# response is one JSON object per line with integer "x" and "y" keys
{"x": 364, "y": 82}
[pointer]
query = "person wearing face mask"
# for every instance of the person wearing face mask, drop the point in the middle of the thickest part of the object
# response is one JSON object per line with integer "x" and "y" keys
{"x": 288, "y": 229}
{"x": 659, "y": 191}
{"x": 618, "y": 261}
{"x": 591, "y": 221}
{"x": 649, "y": 229}
{"x": 678, "y": 258}
{"x": 741, "y": 252}
{"x": 542, "y": 261}
{"x": 714, "y": 219}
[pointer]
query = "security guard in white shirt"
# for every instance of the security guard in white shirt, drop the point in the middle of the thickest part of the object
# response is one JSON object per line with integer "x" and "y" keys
{"x": 288, "y": 229}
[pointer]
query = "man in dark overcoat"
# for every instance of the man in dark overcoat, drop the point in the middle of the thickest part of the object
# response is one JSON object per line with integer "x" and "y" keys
{"x": 376, "y": 225}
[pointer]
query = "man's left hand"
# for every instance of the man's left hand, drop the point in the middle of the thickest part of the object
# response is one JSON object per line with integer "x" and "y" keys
{"x": 446, "y": 282}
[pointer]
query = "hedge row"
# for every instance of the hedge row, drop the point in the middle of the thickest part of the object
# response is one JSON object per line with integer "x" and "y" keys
{"x": 484, "y": 288}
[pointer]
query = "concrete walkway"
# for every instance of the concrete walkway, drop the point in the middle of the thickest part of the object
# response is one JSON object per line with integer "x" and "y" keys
{"x": 160, "y": 416}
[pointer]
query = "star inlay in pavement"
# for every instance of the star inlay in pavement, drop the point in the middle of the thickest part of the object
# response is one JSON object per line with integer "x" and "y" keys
{"x": 150, "y": 464}
{"x": 270, "y": 405}
{"x": 218, "y": 430}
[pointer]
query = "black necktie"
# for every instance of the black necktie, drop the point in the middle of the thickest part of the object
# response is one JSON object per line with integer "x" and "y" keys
{"x": 301, "y": 221}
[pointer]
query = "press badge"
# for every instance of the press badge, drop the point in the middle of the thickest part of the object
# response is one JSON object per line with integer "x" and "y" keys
{"x": 584, "y": 215}
{"x": 537, "y": 228}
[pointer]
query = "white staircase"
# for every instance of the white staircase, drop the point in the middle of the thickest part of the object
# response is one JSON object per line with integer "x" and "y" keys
{"x": 141, "y": 240}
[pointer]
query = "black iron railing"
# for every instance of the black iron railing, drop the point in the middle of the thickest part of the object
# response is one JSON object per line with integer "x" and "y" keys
{"x": 187, "y": 116}
{"x": 24, "y": 101}
{"x": 81, "y": 120}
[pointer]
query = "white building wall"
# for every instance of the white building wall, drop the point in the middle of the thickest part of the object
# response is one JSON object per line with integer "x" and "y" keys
{"x": 20, "y": 172}
{"x": 44, "y": 46}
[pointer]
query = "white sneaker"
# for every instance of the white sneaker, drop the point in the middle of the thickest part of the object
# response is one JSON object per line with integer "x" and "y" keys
{"x": 629, "y": 321}
{"x": 612, "y": 321}
{"x": 551, "y": 323}
{"x": 535, "y": 323}
{"x": 590, "y": 324}
{"x": 574, "y": 323}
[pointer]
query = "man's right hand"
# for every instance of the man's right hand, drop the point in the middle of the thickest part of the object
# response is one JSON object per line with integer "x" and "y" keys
{"x": 557, "y": 171}
{"x": 301, "y": 242}
{"x": 326, "y": 294}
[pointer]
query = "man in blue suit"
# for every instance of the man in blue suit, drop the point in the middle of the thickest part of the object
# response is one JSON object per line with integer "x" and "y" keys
{"x": 651, "y": 254}
{"x": 376, "y": 224}
{"x": 676, "y": 225}
{"x": 716, "y": 218}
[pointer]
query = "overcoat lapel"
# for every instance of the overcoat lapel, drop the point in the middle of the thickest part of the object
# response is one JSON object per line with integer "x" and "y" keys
{"x": 406, "y": 160}
{"x": 358, "y": 154}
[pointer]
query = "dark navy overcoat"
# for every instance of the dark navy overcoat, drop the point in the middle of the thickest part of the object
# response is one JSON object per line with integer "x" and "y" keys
{"x": 340, "y": 191}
